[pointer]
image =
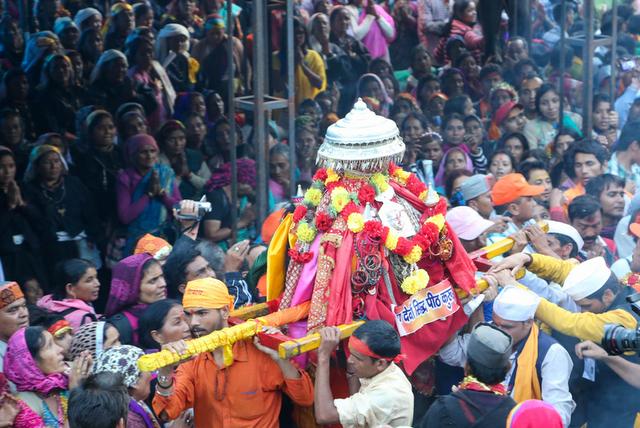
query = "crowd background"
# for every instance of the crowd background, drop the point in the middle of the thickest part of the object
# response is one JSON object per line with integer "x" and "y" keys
{"x": 111, "y": 114}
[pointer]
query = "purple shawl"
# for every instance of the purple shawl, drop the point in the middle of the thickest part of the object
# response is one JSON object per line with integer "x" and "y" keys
{"x": 125, "y": 283}
{"x": 21, "y": 369}
{"x": 440, "y": 176}
{"x": 375, "y": 40}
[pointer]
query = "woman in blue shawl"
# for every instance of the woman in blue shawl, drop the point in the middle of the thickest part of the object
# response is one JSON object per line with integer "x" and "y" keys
{"x": 147, "y": 190}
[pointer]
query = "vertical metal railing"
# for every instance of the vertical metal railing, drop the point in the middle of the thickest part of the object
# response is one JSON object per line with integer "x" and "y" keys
{"x": 231, "y": 104}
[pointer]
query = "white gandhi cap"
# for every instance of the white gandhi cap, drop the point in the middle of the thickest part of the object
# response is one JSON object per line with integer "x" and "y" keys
{"x": 564, "y": 229}
{"x": 516, "y": 304}
{"x": 586, "y": 278}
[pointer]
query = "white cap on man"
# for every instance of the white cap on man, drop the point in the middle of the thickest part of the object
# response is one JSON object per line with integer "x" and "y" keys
{"x": 516, "y": 304}
{"x": 564, "y": 229}
{"x": 586, "y": 278}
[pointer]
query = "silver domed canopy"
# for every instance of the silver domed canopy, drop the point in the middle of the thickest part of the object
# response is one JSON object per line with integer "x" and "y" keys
{"x": 361, "y": 142}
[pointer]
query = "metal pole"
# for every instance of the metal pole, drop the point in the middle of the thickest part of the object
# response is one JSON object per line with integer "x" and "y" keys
{"x": 232, "y": 123}
{"x": 563, "y": 42}
{"x": 259, "y": 80}
{"x": 291, "y": 83}
{"x": 587, "y": 63}
{"x": 614, "y": 40}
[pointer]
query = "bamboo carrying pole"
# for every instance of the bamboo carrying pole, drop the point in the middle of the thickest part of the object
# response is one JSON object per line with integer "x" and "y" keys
{"x": 289, "y": 349}
{"x": 226, "y": 336}
{"x": 312, "y": 341}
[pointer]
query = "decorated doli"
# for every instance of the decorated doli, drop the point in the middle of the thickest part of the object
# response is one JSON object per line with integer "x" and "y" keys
{"x": 369, "y": 241}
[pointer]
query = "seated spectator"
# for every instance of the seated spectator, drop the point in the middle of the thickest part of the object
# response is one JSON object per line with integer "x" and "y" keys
{"x": 76, "y": 287}
{"x": 625, "y": 159}
{"x": 147, "y": 190}
{"x": 188, "y": 165}
{"x": 501, "y": 163}
{"x": 137, "y": 282}
{"x": 541, "y": 130}
{"x": 94, "y": 338}
{"x": 461, "y": 25}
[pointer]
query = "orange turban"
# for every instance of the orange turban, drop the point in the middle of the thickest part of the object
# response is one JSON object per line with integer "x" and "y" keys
{"x": 9, "y": 293}
{"x": 157, "y": 247}
{"x": 209, "y": 293}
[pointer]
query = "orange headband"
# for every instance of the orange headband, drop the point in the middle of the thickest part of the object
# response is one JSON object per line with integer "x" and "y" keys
{"x": 362, "y": 348}
{"x": 59, "y": 328}
{"x": 9, "y": 293}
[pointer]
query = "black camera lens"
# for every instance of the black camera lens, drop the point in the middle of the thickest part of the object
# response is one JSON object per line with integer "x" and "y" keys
{"x": 618, "y": 340}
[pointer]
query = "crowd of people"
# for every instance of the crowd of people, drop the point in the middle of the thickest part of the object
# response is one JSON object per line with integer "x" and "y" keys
{"x": 114, "y": 120}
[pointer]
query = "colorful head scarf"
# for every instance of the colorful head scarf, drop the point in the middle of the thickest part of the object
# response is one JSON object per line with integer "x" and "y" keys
{"x": 106, "y": 57}
{"x": 89, "y": 337}
{"x": 530, "y": 414}
{"x": 86, "y": 13}
{"x": 36, "y": 154}
{"x": 120, "y": 7}
{"x": 136, "y": 143}
{"x": 38, "y": 45}
{"x": 125, "y": 283}
{"x": 246, "y": 174}
{"x": 168, "y": 127}
{"x": 207, "y": 293}
{"x": 441, "y": 175}
{"x": 123, "y": 360}
{"x": 21, "y": 368}
{"x": 157, "y": 247}
{"x": 214, "y": 21}
{"x": 9, "y": 293}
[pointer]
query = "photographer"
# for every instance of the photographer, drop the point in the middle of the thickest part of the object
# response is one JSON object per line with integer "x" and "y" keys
{"x": 602, "y": 300}
{"x": 628, "y": 371}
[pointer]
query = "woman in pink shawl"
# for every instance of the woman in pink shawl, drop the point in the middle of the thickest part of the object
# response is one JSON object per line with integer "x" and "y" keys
{"x": 137, "y": 282}
{"x": 373, "y": 26}
{"x": 454, "y": 158}
{"x": 35, "y": 364}
{"x": 15, "y": 412}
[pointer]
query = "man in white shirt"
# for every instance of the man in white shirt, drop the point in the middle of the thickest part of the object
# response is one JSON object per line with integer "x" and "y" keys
{"x": 380, "y": 392}
{"x": 513, "y": 312}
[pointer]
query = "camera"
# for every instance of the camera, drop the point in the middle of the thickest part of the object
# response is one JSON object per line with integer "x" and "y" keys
{"x": 617, "y": 339}
{"x": 202, "y": 207}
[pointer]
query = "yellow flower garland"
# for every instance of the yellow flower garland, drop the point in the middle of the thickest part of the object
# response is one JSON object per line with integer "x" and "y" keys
{"x": 331, "y": 176}
{"x": 414, "y": 256}
{"x": 355, "y": 222}
{"x": 306, "y": 233}
{"x": 415, "y": 282}
{"x": 380, "y": 181}
{"x": 313, "y": 196}
{"x": 438, "y": 220}
{"x": 339, "y": 198}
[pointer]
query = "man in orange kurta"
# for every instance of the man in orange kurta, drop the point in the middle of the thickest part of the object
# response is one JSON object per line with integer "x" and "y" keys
{"x": 247, "y": 393}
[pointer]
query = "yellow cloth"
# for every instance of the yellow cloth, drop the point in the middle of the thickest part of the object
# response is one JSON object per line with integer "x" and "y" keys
{"x": 276, "y": 258}
{"x": 526, "y": 385}
{"x": 304, "y": 89}
{"x": 583, "y": 325}
{"x": 209, "y": 293}
{"x": 550, "y": 268}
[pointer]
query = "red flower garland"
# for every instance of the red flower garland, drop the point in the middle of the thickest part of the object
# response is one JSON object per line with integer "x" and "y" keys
{"x": 349, "y": 209}
{"x": 299, "y": 213}
{"x": 404, "y": 247}
{"x": 321, "y": 175}
{"x": 301, "y": 257}
{"x": 374, "y": 229}
{"x": 366, "y": 194}
{"x": 323, "y": 221}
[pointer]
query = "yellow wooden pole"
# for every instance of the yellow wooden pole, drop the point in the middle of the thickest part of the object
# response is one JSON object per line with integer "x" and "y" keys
{"x": 312, "y": 341}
